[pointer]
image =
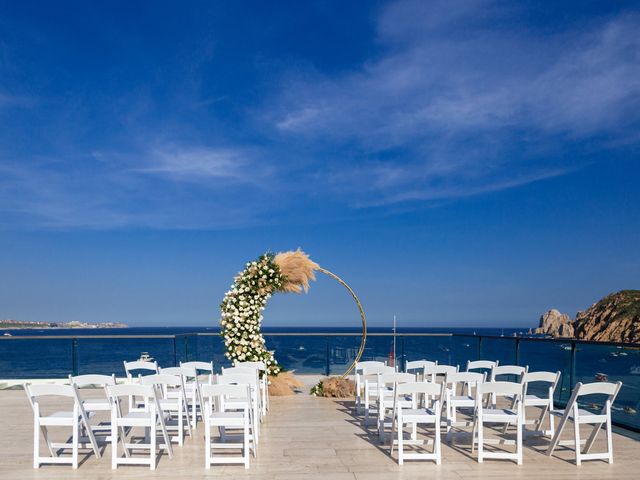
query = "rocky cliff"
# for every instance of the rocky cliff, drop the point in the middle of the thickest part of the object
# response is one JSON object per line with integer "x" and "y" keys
{"x": 615, "y": 318}
{"x": 555, "y": 324}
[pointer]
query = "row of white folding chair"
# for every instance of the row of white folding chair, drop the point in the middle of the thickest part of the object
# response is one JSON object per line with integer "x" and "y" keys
{"x": 75, "y": 417}
{"x": 151, "y": 418}
{"x": 264, "y": 381}
{"x": 369, "y": 377}
{"x": 233, "y": 408}
{"x": 359, "y": 370}
{"x": 94, "y": 406}
{"x": 228, "y": 406}
{"x": 409, "y": 410}
{"x": 171, "y": 398}
{"x": 385, "y": 398}
{"x": 192, "y": 394}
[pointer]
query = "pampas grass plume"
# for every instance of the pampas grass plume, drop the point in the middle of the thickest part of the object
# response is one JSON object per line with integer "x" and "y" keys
{"x": 297, "y": 268}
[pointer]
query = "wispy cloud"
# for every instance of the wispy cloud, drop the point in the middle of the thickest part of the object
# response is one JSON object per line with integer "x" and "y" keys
{"x": 454, "y": 99}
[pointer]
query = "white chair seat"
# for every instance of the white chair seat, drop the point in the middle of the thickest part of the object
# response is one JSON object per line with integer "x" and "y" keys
{"x": 413, "y": 414}
{"x": 96, "y": 404}
{"x": 463, "y": 399}
{"x": 584, "y": 416}
{"x": 227, "y": 418}
{"x": 499, "y": 415}
{"x": 58, "y": 418}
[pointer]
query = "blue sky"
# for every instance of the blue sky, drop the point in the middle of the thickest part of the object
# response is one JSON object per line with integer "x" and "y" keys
{"x": 459, "y": 163}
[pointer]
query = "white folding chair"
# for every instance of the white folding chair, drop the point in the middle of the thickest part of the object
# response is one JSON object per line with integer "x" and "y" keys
{"x": 369, "y": 378}
{"x": 192, "y": 385}
{"x": 139, "y": 366}
{"x": 96, "y": 405}
{"x": 543, "y": 402}
{"x": 417, "y": 366}
{"x": 249, "y": 370}
{"x": 512, "y": 372}
{"x": 386, "y": 397}
{"x": 75, "y": 418}
{"x": 215, "y": 415}
{"x": 264, "y": 381}
{"x": 581, "y": 416}
{"x": 509, "y": 416}
{"x": 359, "y": 381}
{"x": 122, "y": 424}
{"x": 171, "y": 399}
{"x": 231, "y": 403}
{"x": 409, "y": 413}
{"x": 467, "y": 381}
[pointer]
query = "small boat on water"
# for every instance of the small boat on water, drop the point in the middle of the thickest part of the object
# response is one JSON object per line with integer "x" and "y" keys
{"x": 565, "y": 346}
{"x": 635, "y": 370}
{"x": 7, "y": 334}
{"x": 601, "y": 377}
{"x": 145, "y": 357}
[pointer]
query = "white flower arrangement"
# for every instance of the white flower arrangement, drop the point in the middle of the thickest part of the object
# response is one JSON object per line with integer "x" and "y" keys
{"x": 241, "y": 312}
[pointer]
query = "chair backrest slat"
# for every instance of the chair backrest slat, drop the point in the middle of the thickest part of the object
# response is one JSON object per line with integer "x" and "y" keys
{"x": 428, "y": 388}
{"x": 92, "y": 379}
{"x": 238, "y": 379}
{"x": 500, "y": 388}
{"x": 391, "y": 378}
{"x": 486, "y": 364}
{"x": 162, "y": 379}
{"x": 595, "y": 388}
{"x": 42, "y": 389}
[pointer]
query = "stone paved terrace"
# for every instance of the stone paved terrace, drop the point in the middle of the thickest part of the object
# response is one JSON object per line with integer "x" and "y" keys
{"x": 305, "y": 438}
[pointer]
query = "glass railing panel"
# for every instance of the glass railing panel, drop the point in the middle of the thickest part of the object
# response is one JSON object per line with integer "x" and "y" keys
{"x": 501, "y": 349}
{"x": 106, "y": 355}
{"x": 302, "y": 353}
{"x": 605, "y": 363}
{"x": 344, "y": 348}
{"x": 211, "y": 348}
{"x": 547, "y": 356}
{"x": 427, "y": 347}
{"x": 463, "y": 349}
{"x": 36, "y": 358}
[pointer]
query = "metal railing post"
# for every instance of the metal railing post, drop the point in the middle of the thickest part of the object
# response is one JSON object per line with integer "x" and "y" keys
{"x": 175, "y": 352}
{"x": 403, "y": 360}
{"x": 327, "y": 369}
{"x": 479, "y": 347}
{"x": 74, "y": 356}
{"x": 517, "y": 351}
{"x": 572, "y": 369}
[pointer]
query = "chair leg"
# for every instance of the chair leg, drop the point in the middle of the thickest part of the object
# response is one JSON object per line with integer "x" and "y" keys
{"x": 519, "y": 427}
{"x": 207, "y": 444}
{"x": 437, "y": 445}
{"x": 245, "y": 451}
{"x": 609, "y": 440}
{"x": 36, "y": 443}
{"x": 576, "y": 430}
{"x": 152, "y": 450}
{"x": 400, "y": 445}
{"x": 74, "y": 442}
{"x": 480, "y": 442}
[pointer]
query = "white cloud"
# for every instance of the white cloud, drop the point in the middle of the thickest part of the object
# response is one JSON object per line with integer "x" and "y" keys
{"x": 461, "y": 99}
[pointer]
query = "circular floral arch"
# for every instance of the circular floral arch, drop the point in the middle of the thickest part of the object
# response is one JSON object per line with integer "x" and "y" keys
{"x": 243, "y": 304}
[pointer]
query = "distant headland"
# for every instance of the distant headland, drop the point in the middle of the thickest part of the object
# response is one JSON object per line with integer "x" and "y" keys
{"x": 19, "y": 324}
{"x": 615, "y": 318}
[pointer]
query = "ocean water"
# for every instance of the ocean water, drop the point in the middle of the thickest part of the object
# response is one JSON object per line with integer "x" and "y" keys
{"x": 314, "y": 350}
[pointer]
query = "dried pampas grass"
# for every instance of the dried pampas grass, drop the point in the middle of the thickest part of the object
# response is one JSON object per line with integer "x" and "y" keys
{"x": 336, "y": 387}
{"x": 297, "y": 269}
{"x": 284, "y": 384}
